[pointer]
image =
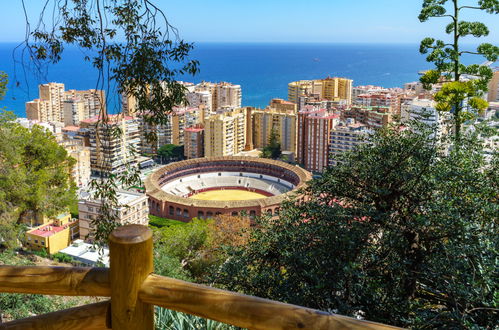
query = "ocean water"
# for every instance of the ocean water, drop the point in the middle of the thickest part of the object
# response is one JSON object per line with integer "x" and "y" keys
{"x": 263, "y": 70}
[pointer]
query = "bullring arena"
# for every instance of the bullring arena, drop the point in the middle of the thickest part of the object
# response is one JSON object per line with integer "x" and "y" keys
{"x": 205, "y": 187}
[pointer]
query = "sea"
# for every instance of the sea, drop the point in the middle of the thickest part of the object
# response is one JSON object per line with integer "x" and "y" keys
{"x": 262, "y": 69}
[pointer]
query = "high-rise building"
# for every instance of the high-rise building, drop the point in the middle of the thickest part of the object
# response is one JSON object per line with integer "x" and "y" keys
{"x": 283, "y": 105}
{"x": 332, "y": 89}
{"x": 74, "y": 112}
{"x": 81, "y": 171}
{"x": 314, "y": 128}
{"x": 94, "y": 101}
{"x": 194, "y": 142}
{"x": 346, "y": 136}
{"x": 282, "y": 123}
{"x": 225, "y": 134}
{"x": 372, "y": 116}
{"x": 50, "y": 107}
{"x": 224, "y": 95}
{"x": 114, "y": 143}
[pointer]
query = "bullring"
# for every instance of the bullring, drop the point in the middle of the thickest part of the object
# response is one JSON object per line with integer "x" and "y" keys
{"x": 175, "y": 190}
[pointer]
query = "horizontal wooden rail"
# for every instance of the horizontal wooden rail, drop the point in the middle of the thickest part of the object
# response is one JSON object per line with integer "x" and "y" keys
{"x": 66, "y": 281}
{"x": 134, "y": 291}
{"x": 88, "y": 317}
{"x": 241, "y": 310}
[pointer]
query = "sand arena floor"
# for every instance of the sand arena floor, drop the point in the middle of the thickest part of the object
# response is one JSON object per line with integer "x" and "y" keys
{"x": 227, "y": 195}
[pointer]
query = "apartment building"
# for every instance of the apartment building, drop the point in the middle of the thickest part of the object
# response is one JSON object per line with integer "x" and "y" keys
{"x": 281, "y": 105}
{"x": 81, "y": 171}
{"x": 54, "y": 234}
{"x": 50, "y": 106}
{"x": 332, "y": 89}
{"x": 173, "y": 131}
{"x": 225, "y": 134}
{"x": 114, "y": 143}
{"x": 224, "y": 95}
{"x": 493, "y": 88}
{"x": 194, "y": 142}
{"x": 283, "y": 123}
{"x": 132, "y": 209}
{"x": 373, "y": 117}
{"x": 314, "y": 128}
{"x": 346, "y": 136}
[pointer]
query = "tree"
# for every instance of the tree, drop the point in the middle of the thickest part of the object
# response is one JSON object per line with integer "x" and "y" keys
{"x": 462, "y": 98}
{"x": 171, "y": 152}
{"x": 398, "y": 232}
{"x": 273, "y": 148}
{"x": 138, "y": 55}
{"x": 35, "y": 175}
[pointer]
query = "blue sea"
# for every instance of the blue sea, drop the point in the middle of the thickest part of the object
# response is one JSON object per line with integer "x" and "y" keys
{"x": 262, "y": 69}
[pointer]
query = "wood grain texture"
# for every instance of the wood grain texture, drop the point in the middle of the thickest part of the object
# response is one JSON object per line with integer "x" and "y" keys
{"x": 131, "y": 261}
{"x": 88, "y": 317}
{"x": 242, "y": 310}
{"x": 67, "y": 281}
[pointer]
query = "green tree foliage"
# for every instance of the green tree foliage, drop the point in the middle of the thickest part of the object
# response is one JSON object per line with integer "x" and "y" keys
{"x": 398, "y": 232}
{"x": 34, "y": 173}
{"x": 137, "y": 54}
{"x": 171, "y": 152}
{"x": 273, "y": 148}
{"x": 183, "y": 249}
{"x": 447, "y": 58}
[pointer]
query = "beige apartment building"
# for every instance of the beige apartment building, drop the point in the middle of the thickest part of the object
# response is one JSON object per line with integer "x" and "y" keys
{"x": 50, "y": 106}
{"x": 283, "y": 123}
{"x": 331, "y": 89}
{"x": 132, "y": 209}
{"x": 81, "y": 171}
{"x": 74, "y": 112}
{"x": 283, "y": 105}
{"x": 224, "y": 95}
{"x": 225, "y": 134}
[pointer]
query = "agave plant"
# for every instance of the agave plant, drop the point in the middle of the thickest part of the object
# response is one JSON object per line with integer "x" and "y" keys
{"x": 172, "y": 320}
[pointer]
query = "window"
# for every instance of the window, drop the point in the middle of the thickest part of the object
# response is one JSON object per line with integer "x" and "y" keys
{"x": 171, "y": 210}
{"x": 36, "y": 241}
{"x": 219, "y": 174}
{"x": 90, "y": 209}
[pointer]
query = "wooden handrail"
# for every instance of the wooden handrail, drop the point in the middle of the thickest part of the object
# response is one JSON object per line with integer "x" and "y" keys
{"x": 241, "y": 310}
{"x": 134, "y": 290}
{"x": 66, "y": 281}
{"x": 88, "y": 317}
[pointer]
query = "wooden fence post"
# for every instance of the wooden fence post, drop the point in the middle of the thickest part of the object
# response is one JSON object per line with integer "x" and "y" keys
{"x": 131, "y": 261}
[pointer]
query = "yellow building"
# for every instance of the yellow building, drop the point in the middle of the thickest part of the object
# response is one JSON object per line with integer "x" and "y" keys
{"x": 331, "y": 89}
{"x": 54, "y": 235}
{"x": 225, "y": 134}
{"x": 283, "y": 123}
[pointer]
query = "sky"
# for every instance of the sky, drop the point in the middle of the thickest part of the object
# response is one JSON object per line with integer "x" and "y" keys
{"x": 323, "y": 21}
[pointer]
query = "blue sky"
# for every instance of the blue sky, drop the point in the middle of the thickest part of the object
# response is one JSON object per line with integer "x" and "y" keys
{"x": 387, "y": 21}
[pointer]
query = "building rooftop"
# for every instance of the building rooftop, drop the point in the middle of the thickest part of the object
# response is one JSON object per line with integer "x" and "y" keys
{"x": 86, "y": 253}
{"x": 47, "y": 230}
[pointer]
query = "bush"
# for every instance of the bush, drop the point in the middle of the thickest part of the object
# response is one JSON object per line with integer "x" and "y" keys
{"x": 163, "y": 222}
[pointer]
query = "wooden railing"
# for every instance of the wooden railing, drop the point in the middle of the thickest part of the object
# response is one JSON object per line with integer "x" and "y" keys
{"x": 134, "y": 291}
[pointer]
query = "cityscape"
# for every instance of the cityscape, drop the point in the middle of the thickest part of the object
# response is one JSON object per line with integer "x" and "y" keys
{"x": 308, "y": 200}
